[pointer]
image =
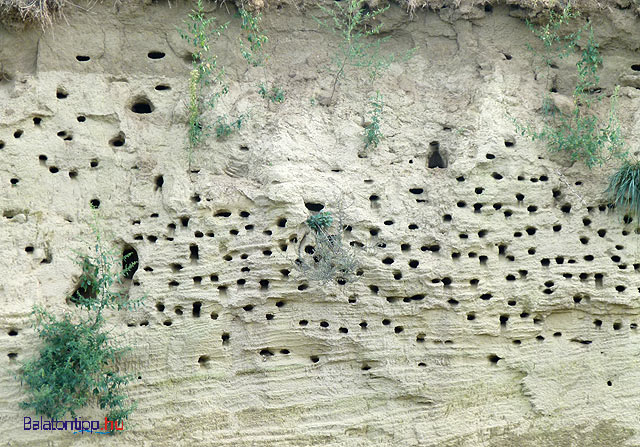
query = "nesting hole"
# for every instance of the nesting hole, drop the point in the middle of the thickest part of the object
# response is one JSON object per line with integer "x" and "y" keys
{"x": 436, "y": 160}
{"x": 312, "y": 206}
{"x": 203, "y": 361}
{"x": 142, "y": 105}
{"x": 118, "y": 140}
{"x": 155, "y": 55}
{"x": 197, "y": 306}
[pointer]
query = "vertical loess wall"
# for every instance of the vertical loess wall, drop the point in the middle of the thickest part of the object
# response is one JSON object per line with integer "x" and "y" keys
{"x": 497, "y": 296}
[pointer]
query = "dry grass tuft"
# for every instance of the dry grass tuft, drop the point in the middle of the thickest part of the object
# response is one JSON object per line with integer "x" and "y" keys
{"x": 31, "y": 11}
{"x": 533, "y": 5}
{"x": 44, "y": 12}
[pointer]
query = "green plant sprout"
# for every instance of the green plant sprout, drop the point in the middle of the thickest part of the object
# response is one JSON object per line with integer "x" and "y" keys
{"x": 206, "y": 75}
{"x": 372, "y": 133}
{"x": 76, "y": 365}
{"x": 274, "y": 95}
{"x": 580, "y": 132}
{"x": 223, "y": 128}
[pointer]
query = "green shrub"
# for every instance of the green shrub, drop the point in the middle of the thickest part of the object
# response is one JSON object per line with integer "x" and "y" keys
{"x": 580, "y": 132}
{"x": 76, "y": 365}
{"x": 372, "y": 133}
{"x": 74, "y": 369}
{"x": 254, "y": 53}
{"x": 624, "y": 189}
{"x": 275, "y": 94}
{"x": 196, "y": 131}
{"x": 224, "y": 128}
{"x": 331, "y": 260}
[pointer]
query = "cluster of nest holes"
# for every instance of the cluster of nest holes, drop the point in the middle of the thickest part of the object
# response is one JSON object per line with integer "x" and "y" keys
{"x": 154, "y": 55}
{"x": 405, "y": 259}
{"x": 195, "y": 311}
{"x": 413, "y": 263}
{"x": 281, "y": 222}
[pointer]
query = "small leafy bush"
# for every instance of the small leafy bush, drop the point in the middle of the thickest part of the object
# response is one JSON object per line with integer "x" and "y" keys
{"x": 76, "y": 365}
{"x": 275, "y": 94}
{"x": 331, "y": 260}
{"x": 372, "y": 133}
{"x": 224, "y": 128}
{"x": 624, "y": 188}
{"x": 581, "y": 132}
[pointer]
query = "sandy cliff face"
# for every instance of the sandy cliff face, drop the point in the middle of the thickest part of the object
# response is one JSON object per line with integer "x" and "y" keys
{"x": 497, "y": 302}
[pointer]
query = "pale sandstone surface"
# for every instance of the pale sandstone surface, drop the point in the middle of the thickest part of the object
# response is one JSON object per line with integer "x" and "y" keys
{"x": 423, "y": 372}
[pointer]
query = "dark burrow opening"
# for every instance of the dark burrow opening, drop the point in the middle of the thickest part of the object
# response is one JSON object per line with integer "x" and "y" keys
{"x": 142, "y": 105}
{"x": 193, "y": 249}
{"x": 159, "y": 182}
{"x": 197, "y": 306}
{"x": 203, "y": 361}
{"x": 118, "y": 140}
{"x": 436, "y": 160}
{"x": 311, "y": 206}
{"x": 155, "y": 55}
